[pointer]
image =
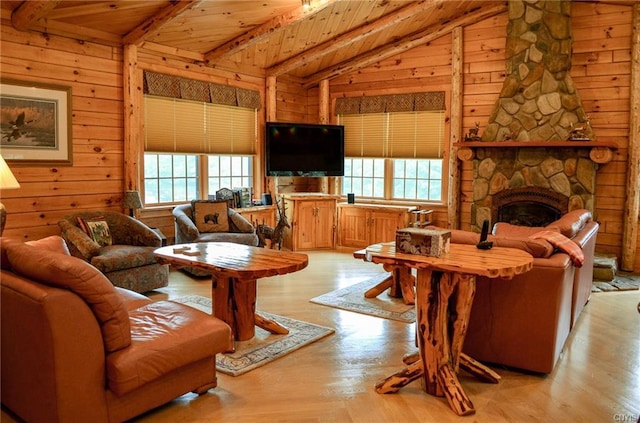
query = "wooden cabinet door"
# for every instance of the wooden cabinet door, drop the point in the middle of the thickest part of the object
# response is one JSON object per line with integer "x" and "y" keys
{"x": 304, "y": 233}
{"x": 354, "y": 227}
{"x": 325, "y": 213}
{"x": 383, "y": 225}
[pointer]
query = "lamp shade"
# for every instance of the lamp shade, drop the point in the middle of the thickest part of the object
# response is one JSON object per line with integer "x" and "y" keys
{"x": 132, "y": 200}
{"x": 7, "y": 180}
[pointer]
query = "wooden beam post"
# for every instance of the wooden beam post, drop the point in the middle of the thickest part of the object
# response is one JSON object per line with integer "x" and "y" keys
{"x": 133, "y": 135}
{"x": 632, "y": 209}
{"x": 271, "y": 92}
{"x": 327, "y": 185}
{"x": 30, "y": 12}
{"x": 453, "y": 197}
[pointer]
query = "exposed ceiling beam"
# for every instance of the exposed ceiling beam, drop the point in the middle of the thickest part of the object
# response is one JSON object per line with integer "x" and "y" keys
{"x": 249, "y": 38}
{"x": 405, "y": 43}
{"x": 139, "y": 33}
{"x": 356, "y": 35}
{"x": 30, "y": 12}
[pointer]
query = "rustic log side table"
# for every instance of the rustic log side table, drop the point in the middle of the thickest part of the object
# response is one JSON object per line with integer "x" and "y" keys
{"x": 234, "y": 270}
{"x": 445, "y": 287}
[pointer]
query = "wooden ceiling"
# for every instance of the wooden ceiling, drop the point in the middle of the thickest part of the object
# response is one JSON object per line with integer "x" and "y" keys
{"x": 262, "y": 37}
{"x": 259, "y": 37}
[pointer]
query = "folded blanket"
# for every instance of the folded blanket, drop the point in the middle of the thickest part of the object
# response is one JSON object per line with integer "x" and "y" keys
{"x": 564, "y": 244}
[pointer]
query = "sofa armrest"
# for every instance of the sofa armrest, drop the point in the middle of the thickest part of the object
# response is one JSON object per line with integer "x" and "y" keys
{"x": 79, "y": 243}
{"x": 186, "y": 230}
{"x": 133, "y": 232}
{"x": 240, "y": 223}
{"x": 49, "y": 338}
{"x": 589, "y": 231}
{"x": 131, "y": 299}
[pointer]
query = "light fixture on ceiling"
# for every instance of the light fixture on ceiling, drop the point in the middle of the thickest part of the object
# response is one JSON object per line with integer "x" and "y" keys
{"x": 306, "y": 4}
{"x": 7, "y": 181}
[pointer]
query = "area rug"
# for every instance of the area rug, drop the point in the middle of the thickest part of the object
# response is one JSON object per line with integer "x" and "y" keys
{"x": 352, "y": 298}
{"x": 265, "y": 347}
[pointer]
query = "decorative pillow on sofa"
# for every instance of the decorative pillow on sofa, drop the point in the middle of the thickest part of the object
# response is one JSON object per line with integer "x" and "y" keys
{"x": 97, "y": 229}
{"x": 65, "y": 271}
{"x": 210, "y": 216}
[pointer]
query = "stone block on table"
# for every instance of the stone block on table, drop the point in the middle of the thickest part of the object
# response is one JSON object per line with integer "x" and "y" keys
{"x": 423, "y": 241}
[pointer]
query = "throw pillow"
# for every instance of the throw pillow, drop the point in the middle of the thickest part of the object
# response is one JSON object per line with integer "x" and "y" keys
{"x": 210, "y": 216}
{"x": 97, "y": 229}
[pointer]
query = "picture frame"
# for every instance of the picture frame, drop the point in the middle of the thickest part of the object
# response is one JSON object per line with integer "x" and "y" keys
{"x": 35, "y": 123}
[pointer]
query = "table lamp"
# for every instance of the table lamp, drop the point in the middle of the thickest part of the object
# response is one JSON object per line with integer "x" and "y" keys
{"x": 132, "y": 201}
{"x": 7, "y": 181}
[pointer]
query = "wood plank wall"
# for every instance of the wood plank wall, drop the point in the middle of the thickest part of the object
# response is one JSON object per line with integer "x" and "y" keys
{"x": 95, "y": 181}
{"x": 601, "y": 72}
{"x": 404, "y": 73}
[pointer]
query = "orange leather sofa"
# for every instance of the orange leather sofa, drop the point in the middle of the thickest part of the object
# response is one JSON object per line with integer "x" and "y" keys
{"x": 77, "y": 349}
{"x": 524, "y": 322}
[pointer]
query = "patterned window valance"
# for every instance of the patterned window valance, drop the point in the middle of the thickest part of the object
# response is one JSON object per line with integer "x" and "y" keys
{"x": 162, "y": 85}
{"x": 391, "y": 103}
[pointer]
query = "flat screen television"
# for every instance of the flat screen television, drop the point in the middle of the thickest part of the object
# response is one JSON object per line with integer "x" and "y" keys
{"x": 303, "y": 149}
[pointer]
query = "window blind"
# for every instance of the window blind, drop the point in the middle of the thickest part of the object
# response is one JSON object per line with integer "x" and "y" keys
{"x": 417, "y": 134}
{"x": 183, "y": 126}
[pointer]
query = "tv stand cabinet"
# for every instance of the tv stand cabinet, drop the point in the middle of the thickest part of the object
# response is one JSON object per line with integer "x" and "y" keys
{"x": 312, "y": 217}
{"x": 363, "y": 224}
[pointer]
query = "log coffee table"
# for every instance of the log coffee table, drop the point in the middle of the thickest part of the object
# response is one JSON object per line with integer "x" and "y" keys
{"x": 234, "y": 270}
{"x": 445, "y": 287}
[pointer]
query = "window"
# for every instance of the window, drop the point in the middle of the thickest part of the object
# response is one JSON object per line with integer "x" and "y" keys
{"x": 364, "y": 177}
{"x": 229, "y": 172}
{"x": 394, "y": 156}
{"x": 174, "y": 178}
{"x": 193, "y": 148}
{"x": 170, "y": 178}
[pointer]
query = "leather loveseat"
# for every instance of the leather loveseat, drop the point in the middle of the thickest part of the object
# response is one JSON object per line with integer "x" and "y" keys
{"x": 524, "y": 322}
{"x": 77, "y": 349}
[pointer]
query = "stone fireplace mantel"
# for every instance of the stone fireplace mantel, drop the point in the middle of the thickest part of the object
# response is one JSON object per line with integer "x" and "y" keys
{"x": 601, "y": 151}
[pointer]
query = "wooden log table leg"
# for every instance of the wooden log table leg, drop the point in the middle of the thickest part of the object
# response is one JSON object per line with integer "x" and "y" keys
{"x": 400, "y": 284}
{"x": 270, "y": 325}
{"x": 234, "y": 302}
{"x": 437, "y": 346}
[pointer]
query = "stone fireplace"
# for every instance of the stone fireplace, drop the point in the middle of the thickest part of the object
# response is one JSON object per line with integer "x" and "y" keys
{"x": 538, "y": 106}
{"x": 537, "y": 184}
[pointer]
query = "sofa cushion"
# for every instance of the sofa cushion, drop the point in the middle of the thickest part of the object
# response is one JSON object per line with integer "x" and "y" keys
{"x": 571, "y": 223}
{"x": 121, "y": 257}
{"x": 53, "y": 243}
{"x": 65, "y": 271}
{"x": 165, "y": 337}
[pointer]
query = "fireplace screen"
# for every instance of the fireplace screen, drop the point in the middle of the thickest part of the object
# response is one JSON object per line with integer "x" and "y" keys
{"x": 528, "y": 206}
{"x": 528, "y": 213}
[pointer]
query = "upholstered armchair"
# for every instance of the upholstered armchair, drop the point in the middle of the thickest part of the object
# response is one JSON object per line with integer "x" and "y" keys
{"x": 119, "y": 246}
{"x": 202, "y": 221}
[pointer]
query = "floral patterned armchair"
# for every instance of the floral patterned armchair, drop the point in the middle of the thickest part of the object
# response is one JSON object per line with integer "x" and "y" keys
{"x": 119, "y": 246}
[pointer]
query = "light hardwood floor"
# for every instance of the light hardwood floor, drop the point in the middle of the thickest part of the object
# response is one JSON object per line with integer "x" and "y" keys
{"x": 332, "y": 380}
